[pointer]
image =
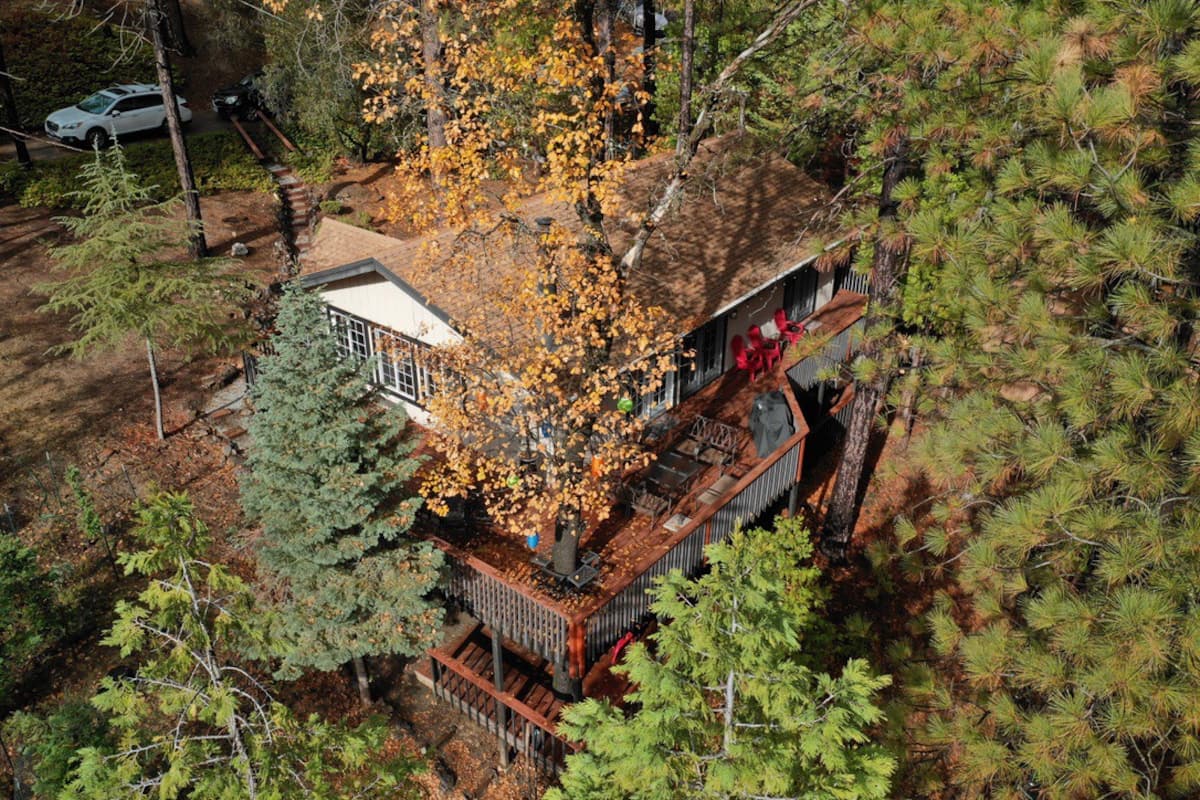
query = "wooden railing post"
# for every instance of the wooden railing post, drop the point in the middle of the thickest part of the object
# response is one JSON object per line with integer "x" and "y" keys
{"x": 577, "y": 648}
{"x": 501, "y": 709}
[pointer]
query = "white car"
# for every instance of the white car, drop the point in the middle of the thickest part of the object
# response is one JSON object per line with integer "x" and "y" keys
{"x": 113, "y": 112}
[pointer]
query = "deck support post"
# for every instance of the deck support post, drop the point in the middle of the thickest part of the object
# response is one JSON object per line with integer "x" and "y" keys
{"x": 793, "y": 500}
{"x": 501, "y": 709}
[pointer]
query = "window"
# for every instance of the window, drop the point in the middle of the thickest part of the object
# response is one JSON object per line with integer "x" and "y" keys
{"x": 351, "y": 334}
{"x": 400, "y": 369}
{"x": 707, "y": 344}
{"x": 397, "y": 366}
{"x": 654, "y": 402}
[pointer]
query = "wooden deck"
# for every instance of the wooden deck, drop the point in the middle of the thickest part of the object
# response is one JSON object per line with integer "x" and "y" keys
{"x": 492, "y": 573}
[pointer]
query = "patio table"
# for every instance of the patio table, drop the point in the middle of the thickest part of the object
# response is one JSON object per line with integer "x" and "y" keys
{"x": 668, "y": 481}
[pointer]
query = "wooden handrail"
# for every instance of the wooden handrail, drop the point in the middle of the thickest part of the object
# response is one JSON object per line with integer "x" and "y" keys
{"x": 511, "y": 702}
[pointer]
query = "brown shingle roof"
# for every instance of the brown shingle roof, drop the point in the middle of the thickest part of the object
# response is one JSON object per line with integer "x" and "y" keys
{"x": 742, "y": 222}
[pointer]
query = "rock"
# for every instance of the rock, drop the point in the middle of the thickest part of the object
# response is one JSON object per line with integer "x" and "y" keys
{"x": 352, "y": 193}
{"x": 238, "y": 250}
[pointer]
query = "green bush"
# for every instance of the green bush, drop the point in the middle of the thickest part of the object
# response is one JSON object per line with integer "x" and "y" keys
{"x": 35, "y": 42}
{"x": 332, "y": 207}
{"x": 314, "y": 164}
{"x": 220, "y": 162}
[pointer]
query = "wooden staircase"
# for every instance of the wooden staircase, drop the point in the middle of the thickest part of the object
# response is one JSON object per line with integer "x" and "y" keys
{"x": 463, "y": 675}
{"x": 297, "y": 211}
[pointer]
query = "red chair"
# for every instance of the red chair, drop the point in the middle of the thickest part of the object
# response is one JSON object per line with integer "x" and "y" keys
{"x": 792, "y": 331}
{"x": 749, "y": 360}
{"x": 769, "y": 349}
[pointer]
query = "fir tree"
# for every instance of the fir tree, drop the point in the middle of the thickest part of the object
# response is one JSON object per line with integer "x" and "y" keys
{"x": 126, "y": 276}
{"x": 191, "y": 722}
{"x": 327, "y": 483}
{"x": 732, "y": 704}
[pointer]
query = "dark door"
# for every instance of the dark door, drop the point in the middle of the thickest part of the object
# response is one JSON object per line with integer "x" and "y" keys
{"x": 708, "y": 360}
{"x": 800, "y": 294}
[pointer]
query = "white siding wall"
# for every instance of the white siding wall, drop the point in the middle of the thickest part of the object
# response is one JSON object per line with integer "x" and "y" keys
{"x": 377, "y": 299}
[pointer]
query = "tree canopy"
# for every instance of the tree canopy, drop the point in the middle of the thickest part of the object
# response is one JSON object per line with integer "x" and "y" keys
{"x": 1054, "y": 204}
{"x": 327, "y": 481}
{"x": 192, "y": 721}
{"x": 730, "y": 698}
{"x": 128, "y": 276}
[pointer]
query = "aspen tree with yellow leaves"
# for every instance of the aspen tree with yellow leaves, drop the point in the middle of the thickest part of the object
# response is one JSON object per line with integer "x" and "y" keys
{"x": 537, "y": 411}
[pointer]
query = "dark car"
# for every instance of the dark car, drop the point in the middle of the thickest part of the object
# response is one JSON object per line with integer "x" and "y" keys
{"x": 242, "y": 98}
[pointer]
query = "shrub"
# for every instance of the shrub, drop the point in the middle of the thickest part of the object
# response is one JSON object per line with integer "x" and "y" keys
{"x": 219, "y": 160}
{"x": 333, "y": 207}
{"x": 314, "y": 164}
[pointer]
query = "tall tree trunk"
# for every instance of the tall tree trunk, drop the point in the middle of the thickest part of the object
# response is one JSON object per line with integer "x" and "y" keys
{"x": 179, "y": 38}
{"x": 158, "y": 415}
{"x": 158, "y": 23}
{"x": 649, "y": 84}
{"x": 686, "y": 55}
{"x": 10, "y": 112}
{"x": 886, "y": 269}
{"x": 363, "y": 681}
{"x": 431, "y": 54}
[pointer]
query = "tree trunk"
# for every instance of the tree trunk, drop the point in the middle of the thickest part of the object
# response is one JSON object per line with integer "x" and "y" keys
{"x": 179, "y": 38}
{"x": 10, "y": 113}
{"x": 567, "y": 530}
{"x": 649, "y": 84}
{"x": 18, "y": 791}
{"x": 686, "y": 55}
{"x": 158, "y": 22}
{"x": 431, "y": 54}
{"x": 886, "y": 269}
{"x": 158, "y": 415}
{"x": 364, "y": 683}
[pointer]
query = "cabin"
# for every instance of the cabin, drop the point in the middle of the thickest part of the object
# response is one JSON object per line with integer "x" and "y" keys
{"x": 738, "y": 249}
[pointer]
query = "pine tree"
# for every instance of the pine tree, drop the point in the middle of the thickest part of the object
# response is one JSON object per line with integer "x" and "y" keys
{"x": 1065, "y": 449}
{"x": 732, "y": 703}
{"x": 192, "y": 722}
{"x": 126, "y": 278}
{"x": 327, "y": 483}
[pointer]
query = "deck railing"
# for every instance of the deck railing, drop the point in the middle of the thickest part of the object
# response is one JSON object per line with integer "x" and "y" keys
{"x": 805, "y": 373}
{"x": 763, "y": 485}
{"x": 501, "y": 604}
{"x": 525, "y": 730}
